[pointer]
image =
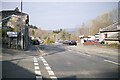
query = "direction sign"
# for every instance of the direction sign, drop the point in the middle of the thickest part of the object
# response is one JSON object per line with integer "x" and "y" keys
{"x": 12, "y": 34}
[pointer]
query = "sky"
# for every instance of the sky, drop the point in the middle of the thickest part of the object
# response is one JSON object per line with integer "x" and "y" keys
{"x": 56, "y": 15}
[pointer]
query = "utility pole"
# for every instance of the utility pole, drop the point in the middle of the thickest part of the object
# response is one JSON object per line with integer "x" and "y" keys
{"x": 22, "y": 42}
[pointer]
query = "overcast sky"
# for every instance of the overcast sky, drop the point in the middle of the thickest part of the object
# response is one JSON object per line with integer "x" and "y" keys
{"x": 56, "y": 15}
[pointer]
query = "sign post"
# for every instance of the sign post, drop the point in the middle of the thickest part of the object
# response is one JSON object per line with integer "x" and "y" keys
{"x": 9, "y": 43}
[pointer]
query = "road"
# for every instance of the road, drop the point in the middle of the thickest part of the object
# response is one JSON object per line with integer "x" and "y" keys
{"x": 46, "y": 62}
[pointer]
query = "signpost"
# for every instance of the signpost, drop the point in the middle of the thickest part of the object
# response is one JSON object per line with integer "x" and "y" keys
{"x": 13, "y": 34}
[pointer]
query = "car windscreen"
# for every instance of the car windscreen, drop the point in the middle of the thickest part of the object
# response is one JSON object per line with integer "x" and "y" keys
{"x": 88, "y": 41}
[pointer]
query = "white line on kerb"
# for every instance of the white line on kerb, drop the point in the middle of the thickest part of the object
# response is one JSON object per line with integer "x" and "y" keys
{"x": 111, "y": 62}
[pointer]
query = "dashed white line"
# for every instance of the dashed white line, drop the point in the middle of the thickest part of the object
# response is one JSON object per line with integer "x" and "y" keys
{"x": 46, "y": 64}
{"x": 38, "y": 77}
{"x": 111, "y": 62}
{"x": 36, "y": 67}
{"x": 41, "y": 57}
{"x": 36, "y": 64}
{"x": 35, "y": 60}
{"x": 38, "y": 72}
{"x": 44, "y": 61}
{"x": 48, "y": 68}
{"x": 53, "y": 77}
{"x": 51, "y": 73}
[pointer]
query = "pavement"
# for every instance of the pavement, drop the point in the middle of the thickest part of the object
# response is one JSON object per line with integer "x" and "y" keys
{"x": 60, "y": 62}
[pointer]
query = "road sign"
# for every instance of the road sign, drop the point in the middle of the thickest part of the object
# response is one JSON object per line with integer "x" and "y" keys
{"x": 15, "y": 36}
{"x": 12, "y": 34}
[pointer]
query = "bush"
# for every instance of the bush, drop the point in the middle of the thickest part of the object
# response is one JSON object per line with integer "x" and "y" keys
{"x": 52, "y": 42}
{"x": 114, "y": 44}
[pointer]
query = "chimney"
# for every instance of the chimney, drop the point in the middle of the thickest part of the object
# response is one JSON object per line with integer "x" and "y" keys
{"x": 16, "y": 9}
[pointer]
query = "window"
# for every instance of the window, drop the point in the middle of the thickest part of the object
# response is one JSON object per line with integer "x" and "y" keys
{"x": 105, "y": 35}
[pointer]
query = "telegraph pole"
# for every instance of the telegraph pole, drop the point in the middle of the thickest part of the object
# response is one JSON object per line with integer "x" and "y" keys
{"x": 22, "y": 42}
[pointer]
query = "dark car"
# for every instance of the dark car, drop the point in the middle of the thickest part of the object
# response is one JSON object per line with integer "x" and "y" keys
{"x": 35, "y": 42}
{"x": 73, "y": 43}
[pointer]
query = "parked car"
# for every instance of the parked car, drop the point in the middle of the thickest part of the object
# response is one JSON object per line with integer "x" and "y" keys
{"x": 66, "y": 42}
{"x": 102, "y": 42}
{"x": 96, "y": 40}
{"x": 90, "y": 41}
{"x": 35, "y": 42}
{"x": 73, "y": 43}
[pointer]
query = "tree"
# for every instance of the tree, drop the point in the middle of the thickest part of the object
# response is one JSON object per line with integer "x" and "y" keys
{"x": 33, "y": 32}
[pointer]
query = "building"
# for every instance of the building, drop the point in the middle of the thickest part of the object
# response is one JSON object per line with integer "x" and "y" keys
{"x": 12, "y": 18}
{"x": 83, "y": 38}
{"x": 97, "y": 35}
{"x": 110, "y": 34}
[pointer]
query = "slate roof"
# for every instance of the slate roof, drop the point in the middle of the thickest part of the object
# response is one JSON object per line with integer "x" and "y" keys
{"x": 6, "y": 13}
{"x": 111, "y": 28}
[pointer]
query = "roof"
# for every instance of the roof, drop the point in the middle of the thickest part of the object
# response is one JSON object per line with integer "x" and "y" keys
{"x": 111, "y": 28}
{"x": 5, "y": 13}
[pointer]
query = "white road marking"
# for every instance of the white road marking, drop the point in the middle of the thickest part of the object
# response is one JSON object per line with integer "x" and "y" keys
{"x": 51, "y": 73}
{"x": 35, "y": 61}
{"x": 72, "y": 46}
{"x": 38, "y": 77}
{"x": 48, "y": 68}
{"x": 44, "y": 61}
{"x": 53, "y": 77}
{"x": 36, "y": 64}
{"x": 46, "y": 64}
{"x": 41, "y": 57}
{"x": 111, "y": 62}
{"x": 88, "y": 55}
{"x": 38, "y": 72}
{"x": 36, "y": 67}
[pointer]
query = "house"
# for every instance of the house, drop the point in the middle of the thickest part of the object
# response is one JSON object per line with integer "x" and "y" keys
{"x": 12, "y": 18}
{"x": 110, "y": 34}
{"x": 83, "y": 38}
{"x": 97, "y": 35}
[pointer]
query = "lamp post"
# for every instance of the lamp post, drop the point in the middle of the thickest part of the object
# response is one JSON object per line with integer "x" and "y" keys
{"x": 22, "y": 42}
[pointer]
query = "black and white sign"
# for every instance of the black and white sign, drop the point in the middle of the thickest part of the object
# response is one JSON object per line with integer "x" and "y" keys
{"x": 12, "y": 34}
